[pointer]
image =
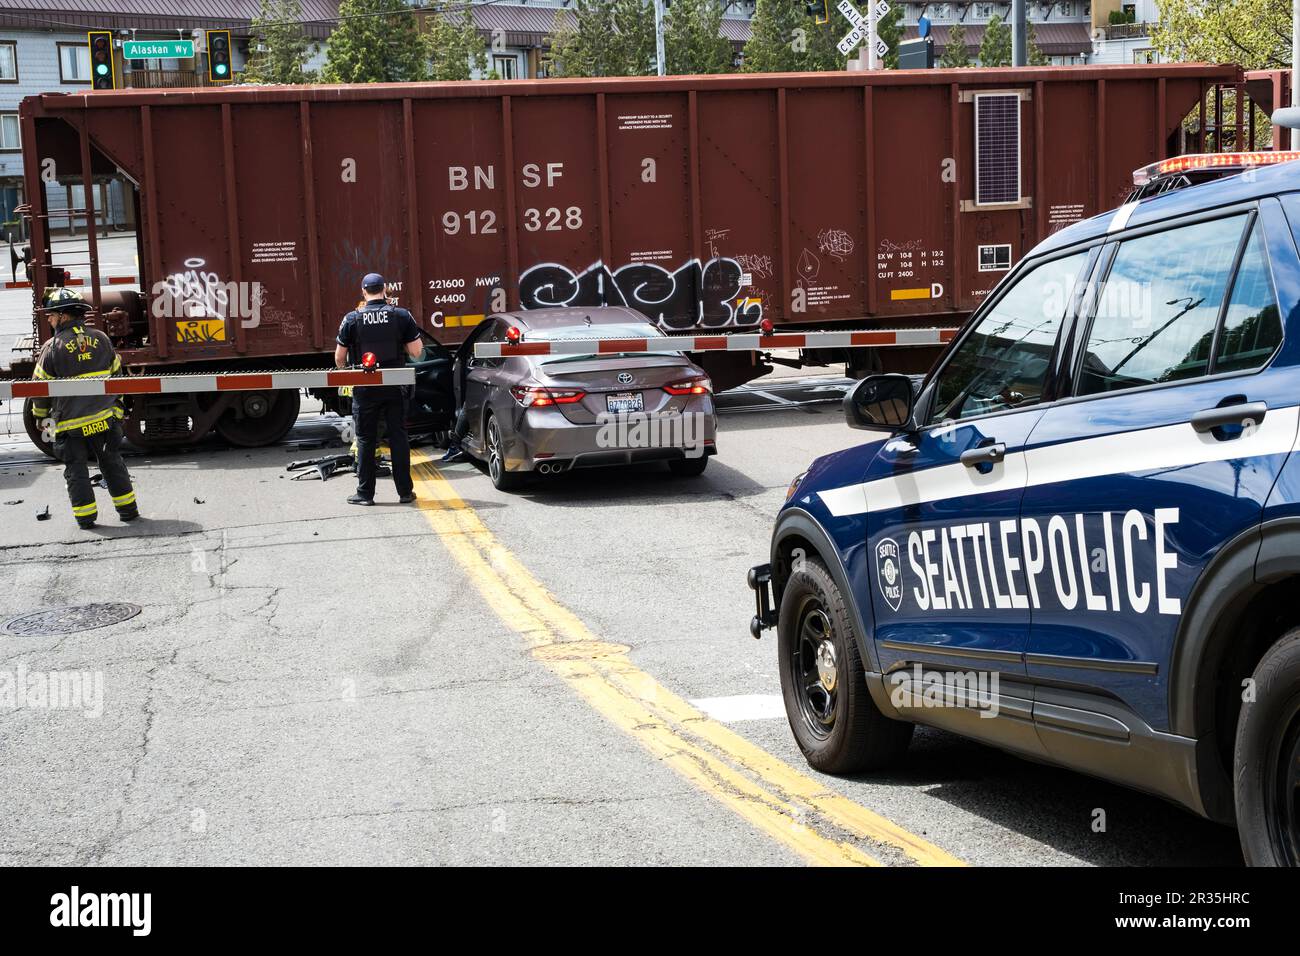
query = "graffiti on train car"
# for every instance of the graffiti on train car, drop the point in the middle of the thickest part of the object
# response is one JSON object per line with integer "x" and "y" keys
{"x": 691, "y": 296}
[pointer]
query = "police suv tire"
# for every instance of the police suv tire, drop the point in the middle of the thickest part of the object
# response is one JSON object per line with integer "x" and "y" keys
{"x": 33, "y": 427}
{"x": 1266, "y": 739}
{"x": 860, "y": 738}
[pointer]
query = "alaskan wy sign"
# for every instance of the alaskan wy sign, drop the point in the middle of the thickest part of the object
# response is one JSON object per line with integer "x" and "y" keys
{"x": 157, "y": 49}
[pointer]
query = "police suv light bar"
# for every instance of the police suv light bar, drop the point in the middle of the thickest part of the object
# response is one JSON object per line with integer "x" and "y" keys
{"x": 240, "y": 382}
{"x": 1195, "y": 161}
{"x": 719, "y": 343}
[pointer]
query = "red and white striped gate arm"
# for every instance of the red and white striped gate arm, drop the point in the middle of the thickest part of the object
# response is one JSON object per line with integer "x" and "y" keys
{"x": 720, "y": 343}
{"x": 230, "y": 382}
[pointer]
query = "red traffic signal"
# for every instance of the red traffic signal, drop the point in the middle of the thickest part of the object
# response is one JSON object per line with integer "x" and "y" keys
{"x": 370, "y": 361}
{"x": 220, "y": 69}
{"x": 103, "y": 71}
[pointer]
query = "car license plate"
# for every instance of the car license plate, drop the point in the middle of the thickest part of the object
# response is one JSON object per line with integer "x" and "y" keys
{"x": 620, "y": 402}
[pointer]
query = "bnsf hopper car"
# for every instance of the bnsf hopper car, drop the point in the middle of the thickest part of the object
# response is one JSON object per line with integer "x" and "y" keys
{"x": 711, "y": 204}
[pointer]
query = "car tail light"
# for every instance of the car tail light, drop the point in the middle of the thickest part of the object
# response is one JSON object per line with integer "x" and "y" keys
{"x": 539, "y": 397}
{"x": 690, "y": 386}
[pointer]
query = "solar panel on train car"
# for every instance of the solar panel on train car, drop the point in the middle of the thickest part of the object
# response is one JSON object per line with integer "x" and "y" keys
{"x": 997, "y": 148}
{"x": 1200, "y": 161}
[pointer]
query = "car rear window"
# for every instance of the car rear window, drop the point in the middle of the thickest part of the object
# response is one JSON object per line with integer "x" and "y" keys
{"x": 573, "y": 333}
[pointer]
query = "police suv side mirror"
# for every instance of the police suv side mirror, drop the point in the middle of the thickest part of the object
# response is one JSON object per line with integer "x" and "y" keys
{"x": 880, "y": 403}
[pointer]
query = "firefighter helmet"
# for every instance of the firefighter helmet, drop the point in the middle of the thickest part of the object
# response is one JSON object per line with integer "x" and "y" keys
{"x": 63, "y": 299}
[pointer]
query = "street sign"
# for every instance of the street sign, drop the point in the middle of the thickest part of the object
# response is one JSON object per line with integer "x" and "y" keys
{"x": 863, "y": 28}
{"x": 157, "y": 49}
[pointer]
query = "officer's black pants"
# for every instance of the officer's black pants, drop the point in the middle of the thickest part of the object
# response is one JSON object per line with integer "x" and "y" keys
{"x": 459, "y": 428}
{"x": 75, "y": 449}
{"x": 369, "y": 405}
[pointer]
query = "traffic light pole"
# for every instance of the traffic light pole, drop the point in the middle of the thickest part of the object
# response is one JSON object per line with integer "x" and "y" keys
{"x": 1019, "y": 31}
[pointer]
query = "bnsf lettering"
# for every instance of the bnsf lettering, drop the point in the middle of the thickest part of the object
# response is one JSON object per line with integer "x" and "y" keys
{"x": 1020, "y": 563}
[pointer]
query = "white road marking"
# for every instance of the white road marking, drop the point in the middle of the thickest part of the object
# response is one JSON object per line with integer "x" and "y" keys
{"x": 729, "y": 710}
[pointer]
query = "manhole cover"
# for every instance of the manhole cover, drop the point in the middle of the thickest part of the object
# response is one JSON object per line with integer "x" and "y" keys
{"x": 70, "y": 620}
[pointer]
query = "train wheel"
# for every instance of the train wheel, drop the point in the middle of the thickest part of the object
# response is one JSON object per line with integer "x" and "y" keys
{"x": 259, "y": 418}
{"x": 35, "y": 431}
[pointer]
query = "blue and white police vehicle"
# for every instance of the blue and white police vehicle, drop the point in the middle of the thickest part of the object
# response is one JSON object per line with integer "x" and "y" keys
{"x": 1079, "y": 538}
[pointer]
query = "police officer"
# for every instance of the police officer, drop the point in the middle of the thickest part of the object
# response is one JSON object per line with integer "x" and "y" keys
{"x": 392, "y": 335}
{"x": 85, "y": 426}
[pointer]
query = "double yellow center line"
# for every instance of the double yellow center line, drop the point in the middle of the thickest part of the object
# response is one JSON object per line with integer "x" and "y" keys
{"x": 801, "y": 813}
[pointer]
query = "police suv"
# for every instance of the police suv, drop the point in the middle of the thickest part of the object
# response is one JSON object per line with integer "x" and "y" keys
{"x": 1079, "y": 538}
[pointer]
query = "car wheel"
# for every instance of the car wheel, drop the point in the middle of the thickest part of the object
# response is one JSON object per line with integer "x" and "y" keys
{"x": 1266, "y": 760}
{"x": 35, "y": 430}
{"x": 496, "y": 461}
{"x": 688, "y": 467}
{"x": 835, "y": 722}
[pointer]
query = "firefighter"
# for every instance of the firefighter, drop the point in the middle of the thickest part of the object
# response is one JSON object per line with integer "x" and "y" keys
{"x": 392, "y": 335}
{"x": 85, "y": 426}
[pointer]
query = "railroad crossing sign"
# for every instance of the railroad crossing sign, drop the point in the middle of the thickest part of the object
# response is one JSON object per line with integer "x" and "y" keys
{"x": 862, "y": 27}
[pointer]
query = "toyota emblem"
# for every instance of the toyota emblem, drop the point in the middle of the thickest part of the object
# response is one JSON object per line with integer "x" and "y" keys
{"x": 625, "y": 378}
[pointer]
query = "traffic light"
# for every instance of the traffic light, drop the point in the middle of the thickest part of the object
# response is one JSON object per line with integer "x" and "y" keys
{"x": 219, "y": 70}
{"x": 818, "y": 10}
{"x": 103, "y": 72}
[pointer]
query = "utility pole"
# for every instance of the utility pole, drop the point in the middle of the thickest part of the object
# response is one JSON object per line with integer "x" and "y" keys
{"x": 1019, "y": 39}
{"x": 1295, "y": 67}
{"x": 659, "y": 35}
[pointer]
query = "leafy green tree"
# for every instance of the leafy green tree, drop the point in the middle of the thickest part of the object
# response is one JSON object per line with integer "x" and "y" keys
{"x": 280, "y": 48}
{"x": 693, "y": 40}
{"x": 456, "y": 49}
{"x": 1253, "y": 33}
{"x": 954, "y": 53}
{"x": 1034, "y": 55}
{"x": 995, "y": 50}
{"x": 376, "y": 41}
{"x": 603, "y": 38}
{"x": 890, "y": 29}
{"x": 785, "y": 38}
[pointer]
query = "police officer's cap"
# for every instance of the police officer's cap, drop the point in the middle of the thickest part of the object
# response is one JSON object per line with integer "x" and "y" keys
{"x": 373, "y": 282}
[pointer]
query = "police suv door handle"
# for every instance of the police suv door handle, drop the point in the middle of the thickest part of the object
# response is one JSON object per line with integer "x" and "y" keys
{"x": 1247, "y": 413}
{"x": 987, "y": 455}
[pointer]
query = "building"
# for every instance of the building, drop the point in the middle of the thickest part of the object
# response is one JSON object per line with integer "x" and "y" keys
{"x": 1122, "y": 31}
{"x": 43, "y": 48}
{"x": 1062, "y": 30}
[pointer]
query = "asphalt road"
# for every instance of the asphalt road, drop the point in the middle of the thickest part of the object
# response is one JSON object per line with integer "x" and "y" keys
{"x": 558, "y": 676}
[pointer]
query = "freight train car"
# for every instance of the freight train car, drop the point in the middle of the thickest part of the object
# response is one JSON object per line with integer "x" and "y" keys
{"x": 711, "y": 204}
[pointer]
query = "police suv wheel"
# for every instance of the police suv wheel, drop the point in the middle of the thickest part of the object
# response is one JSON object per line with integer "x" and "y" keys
{"x": 834, "y": 720}
{"x": 1266, "y": 760}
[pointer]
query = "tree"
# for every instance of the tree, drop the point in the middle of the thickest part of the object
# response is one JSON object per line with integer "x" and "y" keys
{"x": 1253, "y": 33}
{"x": 954, "y": 52}
{"x": 280, "y": 49}
{"x": 995, "y": 50}
{"x": 693, "y": 40}
{"x": 455, "y": 48}
{"x": 1034, "y": 55}
{"x": 785, "y": 38}
{"x": 603, "y": 38}
{"x": 890, "y": 29}
{"x": 376, "y": 41}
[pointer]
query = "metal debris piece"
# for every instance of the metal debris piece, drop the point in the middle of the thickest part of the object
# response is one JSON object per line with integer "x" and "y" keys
{"x": 43, "y": 515}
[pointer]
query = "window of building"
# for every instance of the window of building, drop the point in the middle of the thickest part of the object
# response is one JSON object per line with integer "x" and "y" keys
{"x": 506, "y": 67}
{"x": 1065, "y": 9}
{"x": 8, "y": 61}
{"x": 983, "y": 11}
{"x": 10, "y": 136}
{"x": 1145, "y": 55}
{"x": 74, "y": 63}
